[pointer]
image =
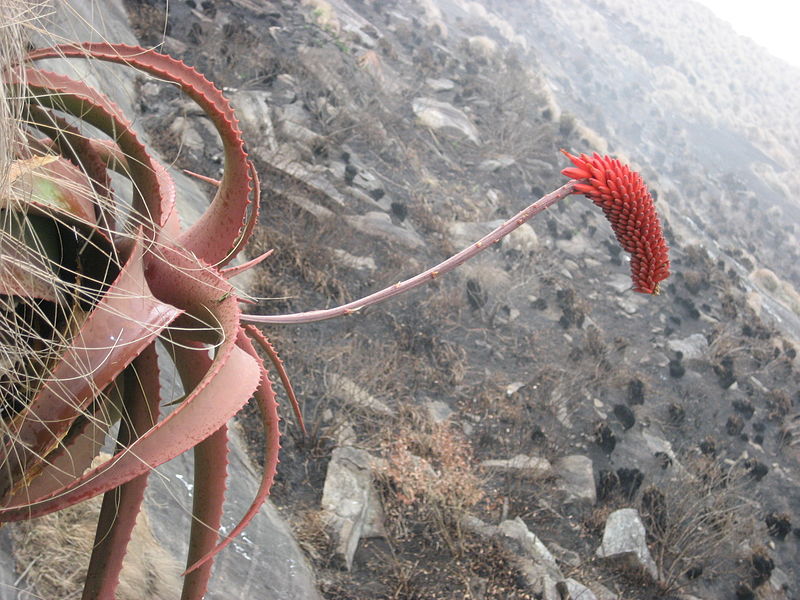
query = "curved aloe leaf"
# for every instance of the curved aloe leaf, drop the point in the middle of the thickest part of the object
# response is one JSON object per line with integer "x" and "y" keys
{"x": 57, "y": 186}
{"x": 267, "y": 346}
{"x": 121, "y": 505}
{"x": 214, "y": 237}
{"x": 210, "y": 475}
{"x": 230, "y": 382}
{"x": 154, "y": 193}
{"x": 268, "y": 407}
{"x": 125, "y": 322}
{"x": 30, "y": 256}
{"x": 79, "y": 150}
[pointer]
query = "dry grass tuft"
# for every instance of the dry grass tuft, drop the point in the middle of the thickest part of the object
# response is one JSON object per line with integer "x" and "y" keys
{"x": 52, "y": 553}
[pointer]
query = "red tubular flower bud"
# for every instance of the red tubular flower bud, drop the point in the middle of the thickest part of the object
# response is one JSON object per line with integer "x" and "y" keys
{"x": 629, "y": 208}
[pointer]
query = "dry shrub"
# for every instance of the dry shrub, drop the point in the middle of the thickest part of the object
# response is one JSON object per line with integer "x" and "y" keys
{"x": 700, "y": 519}
{"x": 311, "y": 531}
{"x": 429, "y": 478}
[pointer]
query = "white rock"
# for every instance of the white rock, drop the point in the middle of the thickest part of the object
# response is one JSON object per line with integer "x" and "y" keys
{"x": 576, "y": 474}
{"x": 530, "y": 545}
{"x": 625, "y": 542}
{"x": 513, "y": 388}
{"x": 438, "y": 411}
{"x": 578, "y": 591}
{"x": 349, "y": 501}
{"x": 693, "y": 347}
{"x": 440, "y": 85}
{"x": 442, "y": 115}
{"x": 531, "y": 465}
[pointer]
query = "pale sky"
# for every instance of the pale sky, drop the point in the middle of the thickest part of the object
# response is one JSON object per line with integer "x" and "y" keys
{"x": 772, "y": 24}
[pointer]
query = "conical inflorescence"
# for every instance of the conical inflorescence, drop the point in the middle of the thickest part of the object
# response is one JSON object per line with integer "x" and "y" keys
{"x": 629, "y": 207}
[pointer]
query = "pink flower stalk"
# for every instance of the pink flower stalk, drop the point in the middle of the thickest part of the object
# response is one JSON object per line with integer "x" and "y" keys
{"x": 629, "y": 207}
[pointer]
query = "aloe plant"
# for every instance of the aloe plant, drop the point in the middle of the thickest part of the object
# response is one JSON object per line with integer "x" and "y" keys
{"x": 101, "y": 282}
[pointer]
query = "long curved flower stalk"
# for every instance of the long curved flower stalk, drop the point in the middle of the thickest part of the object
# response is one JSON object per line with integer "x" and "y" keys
{"x": 122, "y": 278}
{"x": 426, "y": 276}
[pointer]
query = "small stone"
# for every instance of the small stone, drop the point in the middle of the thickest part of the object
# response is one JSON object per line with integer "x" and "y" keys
{"x": 440, "y": 85}
{"x": 530, "y": 465}
{"x": 513, "y": 388}
{"x": 351, "y": 393}
{"x": 379, "y": 224}
{"x": 438, "y": 411}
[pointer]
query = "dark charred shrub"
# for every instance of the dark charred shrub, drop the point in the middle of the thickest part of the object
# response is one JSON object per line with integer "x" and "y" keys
{"x": 734, "y": 425}
{"x": 625, "y": 416}
{"x": 604, "y": 437}
{"x": 630, "y": 480}
{"x": 756, "y": 469}
{"x": 572, "y": 313}
{"x": 694, "y": 572}
{"x": 677, "y": 414}
{"x": 763, "y": 566}
{"x": 676, "y": 368}
{"x": 744, "y": 407}
{"x": 724, "y": 372}
{"x": 663, "y": 459}
{"x": 607, "y": 484}
{"x": 695, "y": 281}
{"x": 779, "y": 404}
{"x": 778, "y": 525}
{"x": 476, "y": 295}
{"x": 654, "y": 512}
{"x": 635, "y": 392}
{"x": 708, "y": 446}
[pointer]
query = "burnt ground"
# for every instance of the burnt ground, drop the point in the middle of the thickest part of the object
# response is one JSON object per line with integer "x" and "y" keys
{"x": 537, "y": 349}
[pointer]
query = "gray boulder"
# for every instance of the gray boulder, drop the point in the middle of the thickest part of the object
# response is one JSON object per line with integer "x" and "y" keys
{"x": 350, "y": 504}
{"x": 576, "y": 475}
{"x": 625, "y": 542}
{"x": 530, "y": 546}
{"x": 442, "y": 115}
{"x": 577, "y": 591}
{"x": 693, "y": 347}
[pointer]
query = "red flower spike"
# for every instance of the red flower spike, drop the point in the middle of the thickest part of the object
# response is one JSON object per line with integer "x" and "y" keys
{"x": 629, "y": 207}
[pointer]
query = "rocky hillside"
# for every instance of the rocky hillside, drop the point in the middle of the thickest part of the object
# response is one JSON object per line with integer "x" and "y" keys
{"x": 527, "y": 427}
